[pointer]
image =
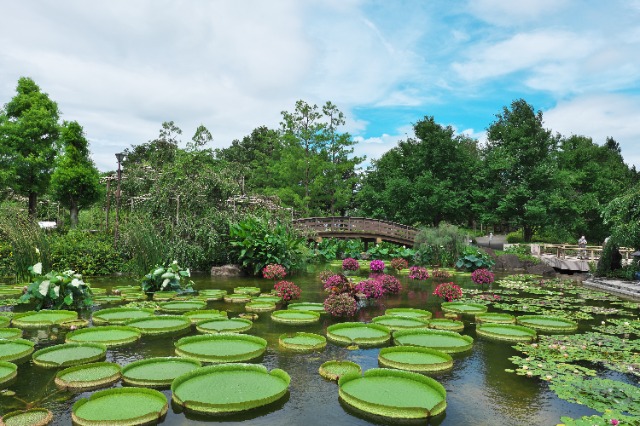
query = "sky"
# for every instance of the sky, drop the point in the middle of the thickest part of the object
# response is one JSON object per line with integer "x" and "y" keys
{"x": 121, "y": 68}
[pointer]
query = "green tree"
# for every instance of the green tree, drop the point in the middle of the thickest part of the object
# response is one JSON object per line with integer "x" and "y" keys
{"x": 29, "y": 131}
{"x": 622, "y": 214}
{"x": 75, "y": 183}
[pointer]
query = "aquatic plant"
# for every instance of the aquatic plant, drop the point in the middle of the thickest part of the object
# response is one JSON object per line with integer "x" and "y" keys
{"x": 287, "y": 290}
{"x": 448, "y": 291}
{"x": 57, "y": 290}
{"x": 168, "y": 277}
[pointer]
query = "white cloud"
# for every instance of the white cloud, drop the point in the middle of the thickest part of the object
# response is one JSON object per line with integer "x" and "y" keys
{"x": 513, "y": 13}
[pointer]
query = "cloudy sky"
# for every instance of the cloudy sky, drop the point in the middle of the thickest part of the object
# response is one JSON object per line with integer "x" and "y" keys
{"x": 122, "y": 67}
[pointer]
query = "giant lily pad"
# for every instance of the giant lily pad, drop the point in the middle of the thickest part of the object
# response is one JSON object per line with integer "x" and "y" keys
{"x": 302, "y": 342}
{"x": 223, "y": 347}
{"x": 212, "y": 294}
{"x": 257, "y": 306}
{"x": 548, "y": 323}
{"x": 396, "y": 322}
{"x": 495, "y": 318}
{"x": 224, "y": 325}
{"x": 409, "y": 312}
{"x": 119, "y": 407}
{"x": 42, "y": 319}
{"x": 253, "y": 291}
{"x": 10, "y": 333}
{"x": 446, "y": 324}
{"x": 4, "y": 321}
{"x": 348, "y": 333}
{"x": 10, "y": 293}
{"x": 394, "y": 394}
{"x": 415, "y": 358}
{"x": 88, "y": 376}
{"x": 464, "y": 308}
{"x": 295, "y": 317}
{"x": 120, "y": 315}
{"x": 157, "y": 372}
{"x": 182, "y": 306}
{"x": 15, "y": 350}
{"x": 506, "y": 332}
{"x": 104, "y": 300}
{"x": 109, "y": 335}
{"x": 161, "y": 324}
{"x": 308, "y": 306}
{"x": 69, "y": 354}
{"x": 237, "y": 298}
{"x": 204, "y": 314}
{"x": 442, "y": 340}
{"x": 267, "y": 298}
{"x": 8, "y": 372}
{"x": 32, "y": 417}
{"x": 333, "y": 370}
{"x": 229, "y": 388}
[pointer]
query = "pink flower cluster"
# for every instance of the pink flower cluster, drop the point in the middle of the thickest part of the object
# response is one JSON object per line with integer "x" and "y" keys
{"x": 350, "y": 264}
{"x": 337, "y": 284}
{"x": 324, "y": 275}
{"x": 399, "y": 264}
{"x": 390, "y": 284}
{"x": 274, "y": 271}
{"x": 376, "y": 266}
{"x": 341, "y": 305}
{"x": 448, "y": 291}
{"x": 371, "y": 289}
{"x": 482, "y": 276}
{"x": 287, "y": 290}
{"x": 440, "y": 273}
{"x": 418, "y": 273}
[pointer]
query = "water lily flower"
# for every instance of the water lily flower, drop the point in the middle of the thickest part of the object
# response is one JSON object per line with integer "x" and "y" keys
{"x": 614, "y": 422}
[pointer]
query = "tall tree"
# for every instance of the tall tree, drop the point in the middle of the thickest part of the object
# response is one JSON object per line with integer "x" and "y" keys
{"x": 29, "y": 131}
{"x": 622, "y": 214}
{"x": 76, "y": 181}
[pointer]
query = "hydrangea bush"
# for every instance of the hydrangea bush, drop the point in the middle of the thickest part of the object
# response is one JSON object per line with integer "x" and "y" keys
{"x": 350, "y": 264}
{"x": 376, "y": 266}
{"x": 274, "y": 271}
{"x": 418, "y": 273}
{"x": 482, "y": 276}
{"x": 390, "y": 284}
{"x": 341, "y": 305}
{"x": 448, "y": 291}
{"x": 371, "y": 289}
{"x": 399, "y": 264}
{"x": 287, "y": 290}
{"x": 337, "y": 284}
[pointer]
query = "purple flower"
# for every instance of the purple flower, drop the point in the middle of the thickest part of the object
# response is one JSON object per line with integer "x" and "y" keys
{"x": 376, "y": 266}
{"x": 418, "y": 273}
{"x": 350, "y": 264}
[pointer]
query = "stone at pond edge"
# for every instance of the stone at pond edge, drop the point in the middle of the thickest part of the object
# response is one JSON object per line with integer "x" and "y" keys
{"x": 227, "y": 271}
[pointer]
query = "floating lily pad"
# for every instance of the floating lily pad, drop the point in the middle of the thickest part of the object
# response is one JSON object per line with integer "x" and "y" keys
{"x": 103, "y": 300}
{"x": 182, "y": 306}
{"x": 204, "y": 314}
{"x": 495, "y": 318}
{"x": 120, "y": 315}
{"x": 74, "y": 324}
{"x": 133, "y": 297}
{"x": 15, "y": 350}
{"x": 32, "y": 417}
{"x": 8, "y": 372}
{"x": 161, "y": 296}
{"x": 88, "y": 376}
{"x": 119, "y": 407}
{"x": 446, "y": 324}
{"x": 506, "y": 332}
{"x": 157, "y": 372}
{"x": 464, "y": 308}
{"x": 348, "y": 333}
{"x": 10, "y": 293}
{"x": 442, "y": 340}
{"x": 98, "y": 291}
{"x": 302, "y": 342}
{"x": 259, "y": 306}
{"x": 308, "y": 306}
{"x": 409, "y": 312}
{"x": 393, "y": 393}
{"x": 223, "y": 347}
{"x": 253, "y": 291}
{"x": 42, "y": 319}
{"x": 395, "y": 322}
{"x": 295, "y": 317}
{"x": 237, "y": 298}
{"x": 161, "y": 324}
{"x": 108, "y": 335}
{"x": 69, "y": 354}
{"x": 212, "y": 294}
{"x": 267, "y": 298}
{"x": 548, "y": 323}
{"x": 248, "y": 315}
{"x": 125, "y": 289}
{"x": 229, "y": 388}
{"x": 10, "y": 333}
{"x": 333, "y": 370}
{"x": 415, "y": 358}
{"x": 224, "y": 325}
{"x": 4, "y": 321}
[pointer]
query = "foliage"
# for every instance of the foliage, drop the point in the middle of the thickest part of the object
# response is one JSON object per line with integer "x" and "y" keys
{"x": 333, "y": 248}
{"x": 350, "y": 264}
{"x": 341, "y": 305}
{"x": 29, "y": 243}
{"x": 142, "y": 243}
{"x": 622, "y": 214}
{"x": 371, "y": 289}
{"x": 89, "y": 253}
{"x": 599, "y": 394}
{"x": 273, "y": 271}
{"x": 609, "y": 418}
{"x": 376, "y": 266}
{"x": 390, "y": 284}
{"x": 257, "y": 243}
{"x": 523, "y": 251}
{"x": 439, "y": 246}
{"x": 482, "y": 276}
{"x": 167, "y": 277}
{"x": 325, "y": 275}
{"x": 7, "y": 262}
{"x": 418, "y": 273}
{"x": 473, "y": 258}
{"x": 57, "y": 290}
{"x": 399, "y": 264}
{"x": 448, "y": 291}
{"x": 287, "y": 290}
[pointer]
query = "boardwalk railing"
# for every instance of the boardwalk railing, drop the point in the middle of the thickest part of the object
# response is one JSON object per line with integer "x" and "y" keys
{"x": 563, "y": 251}
{"x": 357, "y": 227}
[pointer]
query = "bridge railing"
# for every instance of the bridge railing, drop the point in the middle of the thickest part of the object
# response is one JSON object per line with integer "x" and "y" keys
{"x": 338, "y": 224}
{"x": 562, "y": 251}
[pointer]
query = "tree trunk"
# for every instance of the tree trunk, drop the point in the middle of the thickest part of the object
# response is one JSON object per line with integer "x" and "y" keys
{"x": 527, "y": 233}
{"x": 33, "y": 205}
{"x": 73, "y": 212}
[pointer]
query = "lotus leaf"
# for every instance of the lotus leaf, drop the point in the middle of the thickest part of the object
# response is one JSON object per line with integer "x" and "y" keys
{"x": 446, "y": 324}
{"x": 307, "y": 306}
{"x": 182, "y": 306}
{"x": 120, "y": 315}
{"x": 163, "y": 324}
{"x": 496, "y": 318}
{"x": 302, "y": 341}
{"x": 506, "y": 332}
{"x": 120, "y": 406}
{"x": 8, "y": 372}
{"x": 253, "y": 291}
{"x": 10, "y": 333}
{"x": 212, "y": 295}
{"x": 395, "y": 322}
{"x": 464, "y": 308}
{"x": 295, "y": 317}
{"x": 547, "y": 323}
{"x": 4, "y": 321}
{"x": 259, "y": 306}
{"x": 15, "y": 350}
{"x": 267, "y": 298}
{"x": 203, "y": 314}
{"x": 237, "y": 298}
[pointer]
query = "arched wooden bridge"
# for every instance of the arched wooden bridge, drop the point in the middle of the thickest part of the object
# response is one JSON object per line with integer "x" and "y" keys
{"x": 357, "y": 228}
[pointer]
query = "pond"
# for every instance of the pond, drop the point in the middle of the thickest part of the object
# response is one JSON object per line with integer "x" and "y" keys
{"x": 479, "y": 390}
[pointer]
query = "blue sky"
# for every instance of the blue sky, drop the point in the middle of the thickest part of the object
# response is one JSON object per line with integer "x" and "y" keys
{"x": 121, "y": 68}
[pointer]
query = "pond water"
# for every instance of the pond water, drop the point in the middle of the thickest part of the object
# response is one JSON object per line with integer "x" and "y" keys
{"x": 479, "y": 391}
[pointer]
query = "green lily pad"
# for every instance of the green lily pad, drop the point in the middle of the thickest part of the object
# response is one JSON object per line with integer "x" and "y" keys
{"x": 212, "y": 294}
{"x": 409, "y": 312}
{"x": 108, "y": 335}
{"x": 42, "y": 319}
{"x": 333, "y": 370}
{"x": 182, "y": 306}
{"x": 222, "y": 347}
{"x": 120, "y": 407}
{"x": 224, "y": 325}
{"x": 464, "y": 308}
{"x": 69, "y": 354}
{"x": 237, "y": 298}
{"x": 253, "y": 291}
{"x": 204, "y": 314}
{"x": 442, "y": 340}
{"x": 267, "y": 298}
{"x": 496, "y": 318}
{"x": 104, "y": 300}
{"x": 157, "y": 372}
{"x": 88, "y": 376}
{"x": 506, "y": 332}
{"x": 4, "y": 321}
{"x": 8, "y": 372}
{"x": 415, "y": 358}
{"x": 548, "y": 323}
{"x": 162, "y": 296}
{"x": 308, "y": 306}
{"x": 15, "y": 350}
{"x": 393, "y": 394}
{"x": 229, "y": 388}
{"x": 10, "y": 333}
{"x": 32, "y": 417}
{"x": 396, "y": 322}
{"x": 348, "y": 333}
{"x": 258, "y": 306}
{"x": 295, "y": 317}
{"x": 446, "y": 324}
{"x": 120, "y": 315}
{"x": 161, "y": 324}
{"x": 302, "y": 342}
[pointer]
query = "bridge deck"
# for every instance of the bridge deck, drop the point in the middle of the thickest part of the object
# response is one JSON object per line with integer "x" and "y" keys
{"x": 358, "y": 227}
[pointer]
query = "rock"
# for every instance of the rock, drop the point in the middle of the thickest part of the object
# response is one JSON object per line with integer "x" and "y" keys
{"x": 508, "y": 262}
{"x": 226, "y": 271}
{"x": 541, "y": 269}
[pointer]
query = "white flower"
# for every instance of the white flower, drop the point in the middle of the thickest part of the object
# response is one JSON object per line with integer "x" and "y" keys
{"x": 76, "y": 282}
{"x": 165, "y": 282}
{"x": 44, "y": 287}
{"x": 56, "y": 290}
{"x": 175, "y": 262}
{"x": 37, "y": 268}
{"x": 37, "y": 251}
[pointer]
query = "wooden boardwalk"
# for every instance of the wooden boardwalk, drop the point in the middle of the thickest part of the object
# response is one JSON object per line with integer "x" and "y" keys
{"x": 357, "y": 228}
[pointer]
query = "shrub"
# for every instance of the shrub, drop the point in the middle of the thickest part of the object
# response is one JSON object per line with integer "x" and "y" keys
{"x": 324, "y": 275}
{"x": 439, "y": 246}
{"x": 168, "y": 277}
{"x": 287, "y": 290}
{"x": 88, "y": 253}
{"x": 448, "y": 291}
{"x": 482, "y": 276}
{"x": 376, "y": 266}
{"x": 418, "y": 273}
{"x": 341, "y": 305}
{"x": 273, "y": 271}
{"x": 57, "y": 290}
{"x": 440, "y": 273}
{"x": 390, "y": 284}
{"x": 399, "y": 264}
{"x": 350, "y": 264}
{"x": 474, "y": 258}
{"x": 337, "y": 284}
{"x": 371, "y": 289}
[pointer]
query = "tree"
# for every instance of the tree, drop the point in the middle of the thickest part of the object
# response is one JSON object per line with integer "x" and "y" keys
{"x": 622, "y": 214}
{"x": 76, "y": 181}
{"x": 200, "y": 139}
{"x": 28, "y": 134}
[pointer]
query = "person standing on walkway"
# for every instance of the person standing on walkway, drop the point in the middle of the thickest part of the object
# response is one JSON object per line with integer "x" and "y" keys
{"x": 582, "y": 244}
